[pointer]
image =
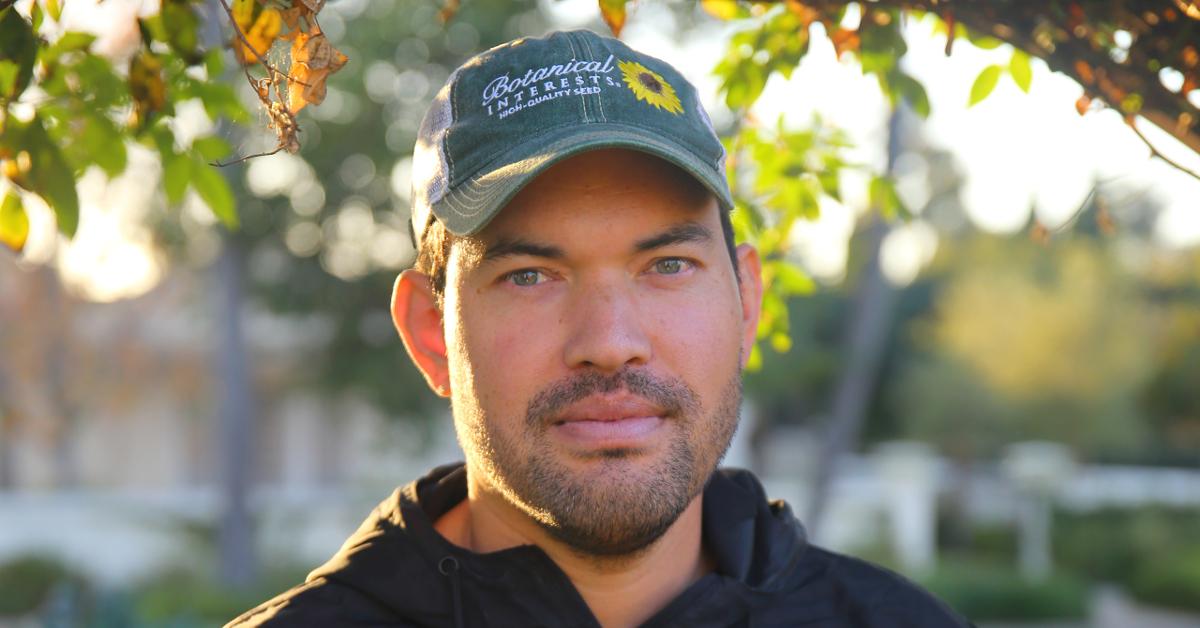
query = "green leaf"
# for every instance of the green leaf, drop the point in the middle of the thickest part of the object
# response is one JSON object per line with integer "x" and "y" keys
{"x": 177, "y": 174}
{"x": 93, "y": 80}
{"x": 14, "y": 224}
{"x": 984, "y": 84}
{"x": 746, "y": 224}
{"x": 214, "y": 63}
{"x": 781, "y": 342}
{"x": 220, "y": 100}
{"x": 774, "y": 314}
{"x": 104, "y": 144}
{"x": 18, "y": 44}
{"x": 164, "y": 140}
{"x": 74, "y": 40}
{"x": 214, "y": 190}
{"x": 36, "y": 16}
{"x": 54, "y": 8}
{"x": 9, "y": 70}
{"x": 792, "y": 280}
{"x": 755, "y": 54}
{"x": 1021, "y": 70}
{"x": 984, "y": 42}
{"x": 743, "y": 86}
{"x": 885, "y": 199}
{"x": 50, "y": 174}
{"x": 152, "y": 29}
{"x": 756, "y": 360}
{"x": 211, "y": 148}
{"x": 180, "y": 22}
{"x": 880, "y": 47}
{"x": 69, "y": 42}
{"x": 912, "y": 91}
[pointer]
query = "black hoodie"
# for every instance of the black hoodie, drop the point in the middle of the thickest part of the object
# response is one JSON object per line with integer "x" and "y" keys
{"x": 397, "y": 570}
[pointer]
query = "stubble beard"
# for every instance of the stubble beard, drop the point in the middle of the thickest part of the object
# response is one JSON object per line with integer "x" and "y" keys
{"x": 623, "y": 506}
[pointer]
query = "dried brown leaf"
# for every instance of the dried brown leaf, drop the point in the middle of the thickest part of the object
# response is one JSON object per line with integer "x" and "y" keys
{"x": 313, "y": 60}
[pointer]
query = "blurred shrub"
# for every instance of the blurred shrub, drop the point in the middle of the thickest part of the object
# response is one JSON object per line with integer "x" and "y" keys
{"x": 1171, "y": 580}
{"x": 1100, "y": 544}
{"x": 1111, "y": 544}
{"x": 994, "y": 543}
{"x": 28, "y": 581}
{"x": 983, "y": 591}
{"x": 182, "y": 598}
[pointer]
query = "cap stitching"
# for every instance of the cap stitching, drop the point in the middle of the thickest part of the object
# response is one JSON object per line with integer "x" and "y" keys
{"x": 599, "y": 100}
{"x": 582, "y": 98}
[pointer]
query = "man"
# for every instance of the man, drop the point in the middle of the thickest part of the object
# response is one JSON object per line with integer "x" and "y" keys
{"x": 579, "y": 299}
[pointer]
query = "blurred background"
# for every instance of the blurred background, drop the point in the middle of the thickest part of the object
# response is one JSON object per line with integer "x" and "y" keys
{"x": 984, "y": 372}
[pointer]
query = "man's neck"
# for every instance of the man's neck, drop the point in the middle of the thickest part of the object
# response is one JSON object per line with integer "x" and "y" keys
{"x": 624, "y": 591}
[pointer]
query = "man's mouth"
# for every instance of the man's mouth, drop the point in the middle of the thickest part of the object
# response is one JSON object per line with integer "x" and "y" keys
{"x": 609, "y": 408}
{"x": 608, "y": 421}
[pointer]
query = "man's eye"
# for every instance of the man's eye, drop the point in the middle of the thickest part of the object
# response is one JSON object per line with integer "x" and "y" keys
{"x": 670, "y": 266}
{"x": 524, "y": 277}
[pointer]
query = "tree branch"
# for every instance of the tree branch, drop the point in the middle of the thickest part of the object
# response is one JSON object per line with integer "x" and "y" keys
{"x": 218, "y": 164}
{"x": 1155, "y": 153}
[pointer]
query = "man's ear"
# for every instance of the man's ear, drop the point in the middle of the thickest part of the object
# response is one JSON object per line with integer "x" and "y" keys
{"x": 750, "y": 287}
{"x": 418, "y": 318}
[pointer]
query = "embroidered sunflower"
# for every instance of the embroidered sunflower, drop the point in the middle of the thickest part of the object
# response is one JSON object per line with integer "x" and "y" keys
{"x": 648, "y": 86}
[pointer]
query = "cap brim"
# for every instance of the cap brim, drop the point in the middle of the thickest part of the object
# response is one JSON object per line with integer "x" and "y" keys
{"x": 468, "y": 207}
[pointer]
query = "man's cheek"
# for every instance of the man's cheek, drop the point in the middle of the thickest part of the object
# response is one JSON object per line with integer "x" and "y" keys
{"x": 698, "y": 329}
{"x": 508, "y": 348}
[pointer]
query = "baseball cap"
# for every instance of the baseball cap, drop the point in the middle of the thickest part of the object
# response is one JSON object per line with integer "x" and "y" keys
{"x": 508, "y": 114}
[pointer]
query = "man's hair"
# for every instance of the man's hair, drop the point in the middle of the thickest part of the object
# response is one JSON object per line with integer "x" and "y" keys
{"x": 433, "y": 253}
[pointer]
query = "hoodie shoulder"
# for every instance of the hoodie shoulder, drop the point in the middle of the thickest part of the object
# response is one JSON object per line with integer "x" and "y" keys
{"x": 318, "y": 602}
{"x": 881, "y": 598}
{"x": 382, "y": 575}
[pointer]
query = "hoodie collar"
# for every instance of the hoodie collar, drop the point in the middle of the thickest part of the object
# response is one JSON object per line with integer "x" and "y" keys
{"x": 393, "y": 557}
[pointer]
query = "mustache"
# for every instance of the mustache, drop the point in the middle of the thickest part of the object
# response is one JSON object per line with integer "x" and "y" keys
{"x": 672, "y": 395}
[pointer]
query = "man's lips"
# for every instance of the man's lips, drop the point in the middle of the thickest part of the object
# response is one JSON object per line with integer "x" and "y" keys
{"x": 609, "y": 421}
{"x": 609, "y": 408}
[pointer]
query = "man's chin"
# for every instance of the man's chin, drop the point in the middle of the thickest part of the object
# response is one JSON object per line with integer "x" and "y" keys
{"x": 613, "y": 538}
{"x": 617, "y": 503}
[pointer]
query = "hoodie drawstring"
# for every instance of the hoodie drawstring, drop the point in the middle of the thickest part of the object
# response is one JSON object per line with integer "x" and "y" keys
{"x": 448, "y": 566}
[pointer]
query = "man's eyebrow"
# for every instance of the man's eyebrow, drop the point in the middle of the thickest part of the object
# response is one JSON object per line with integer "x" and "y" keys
{"x": 508, "y": 247}
{"x": 685, "y": 232}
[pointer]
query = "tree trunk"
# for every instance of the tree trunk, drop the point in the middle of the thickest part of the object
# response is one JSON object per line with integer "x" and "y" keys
{"x": 235, "y": 441}
{"x": 238, "y": 564}
{"x": 866, "y": 339}
{"x": 58, "y": 384}
{"x": 8, "y": 434}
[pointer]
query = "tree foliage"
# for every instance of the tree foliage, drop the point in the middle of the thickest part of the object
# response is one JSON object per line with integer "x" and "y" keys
{"x": 1139, "y": 57}
{"x": 65, "y": 107}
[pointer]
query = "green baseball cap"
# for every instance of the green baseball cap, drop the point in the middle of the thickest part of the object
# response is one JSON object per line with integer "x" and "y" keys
{"x": 508, "y": 114}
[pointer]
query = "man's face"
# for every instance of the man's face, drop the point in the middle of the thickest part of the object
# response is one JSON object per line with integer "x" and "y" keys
{"x": 594, "y": 338}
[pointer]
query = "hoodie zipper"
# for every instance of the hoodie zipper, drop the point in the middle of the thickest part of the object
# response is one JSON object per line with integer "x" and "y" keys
{"x": 448, "y": 566}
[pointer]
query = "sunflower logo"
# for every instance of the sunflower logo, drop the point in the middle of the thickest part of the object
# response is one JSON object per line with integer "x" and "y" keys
{"x": 648, "y": 86}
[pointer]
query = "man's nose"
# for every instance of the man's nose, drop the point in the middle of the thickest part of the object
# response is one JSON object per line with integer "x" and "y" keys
{"x": 606, "y": 326}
